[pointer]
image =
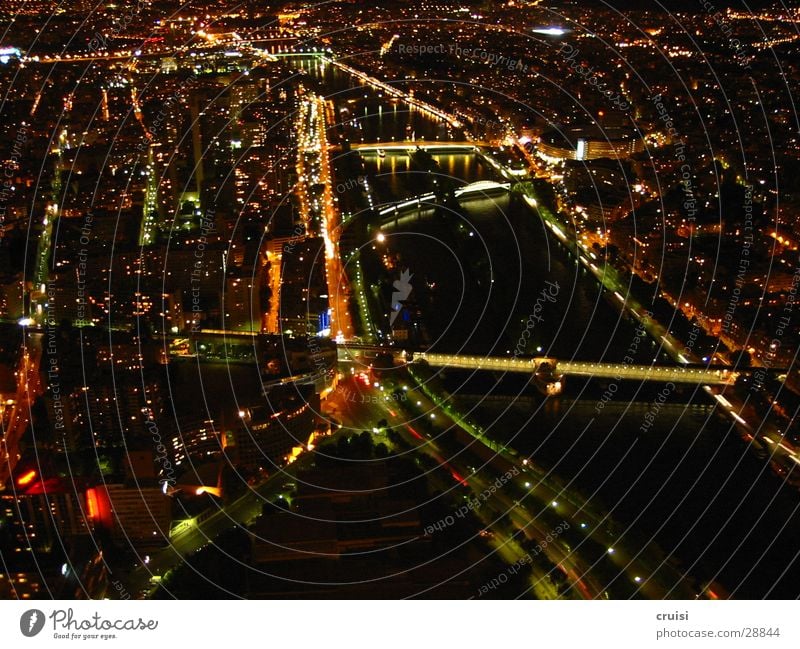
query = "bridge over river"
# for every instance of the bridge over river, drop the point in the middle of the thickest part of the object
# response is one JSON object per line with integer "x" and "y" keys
{"x": 709, "y": 375}
{"x": 664, "y": 373}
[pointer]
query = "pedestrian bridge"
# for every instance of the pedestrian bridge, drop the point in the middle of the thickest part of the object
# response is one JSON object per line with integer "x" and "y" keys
{"x": 551, "y": 369}
{"x": 614, "y": 371}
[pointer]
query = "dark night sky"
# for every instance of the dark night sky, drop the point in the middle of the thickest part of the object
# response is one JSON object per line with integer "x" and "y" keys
{"x": 668, "y": 5}
{"x": 680, "y": 5}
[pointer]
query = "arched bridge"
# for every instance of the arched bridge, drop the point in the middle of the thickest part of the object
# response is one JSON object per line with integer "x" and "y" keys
{"x": 481, "y": 187}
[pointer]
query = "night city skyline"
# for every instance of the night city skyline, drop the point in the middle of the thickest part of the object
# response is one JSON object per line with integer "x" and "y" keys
{"x": 399, "y": 300}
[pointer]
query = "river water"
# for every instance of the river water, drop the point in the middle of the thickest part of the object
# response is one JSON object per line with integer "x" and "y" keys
{"x": 486, "y": 272}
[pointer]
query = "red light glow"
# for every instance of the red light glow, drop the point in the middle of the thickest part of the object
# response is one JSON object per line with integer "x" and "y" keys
{"x": 91, "y": 503}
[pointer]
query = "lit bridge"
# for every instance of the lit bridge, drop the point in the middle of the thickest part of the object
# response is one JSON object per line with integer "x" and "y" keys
{"x": 410, "y": 145}
{"x": 548, "y": 366}
{"x": 617, "y": 371}
{"x": 482, "y": 187}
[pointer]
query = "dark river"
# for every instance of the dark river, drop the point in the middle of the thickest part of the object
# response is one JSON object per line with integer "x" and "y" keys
{"x": 479, "y": 271}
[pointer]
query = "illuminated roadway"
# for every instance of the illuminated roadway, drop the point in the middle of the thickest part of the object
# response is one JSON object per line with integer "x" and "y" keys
{"x": 358, "y": 407}
{"x": 29, "y": 387}
{"x": 540, "y": 502}
{"x": 313, "y": 168}
{"x": 627, "y": 570}
{"x": 338, "y": 284}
